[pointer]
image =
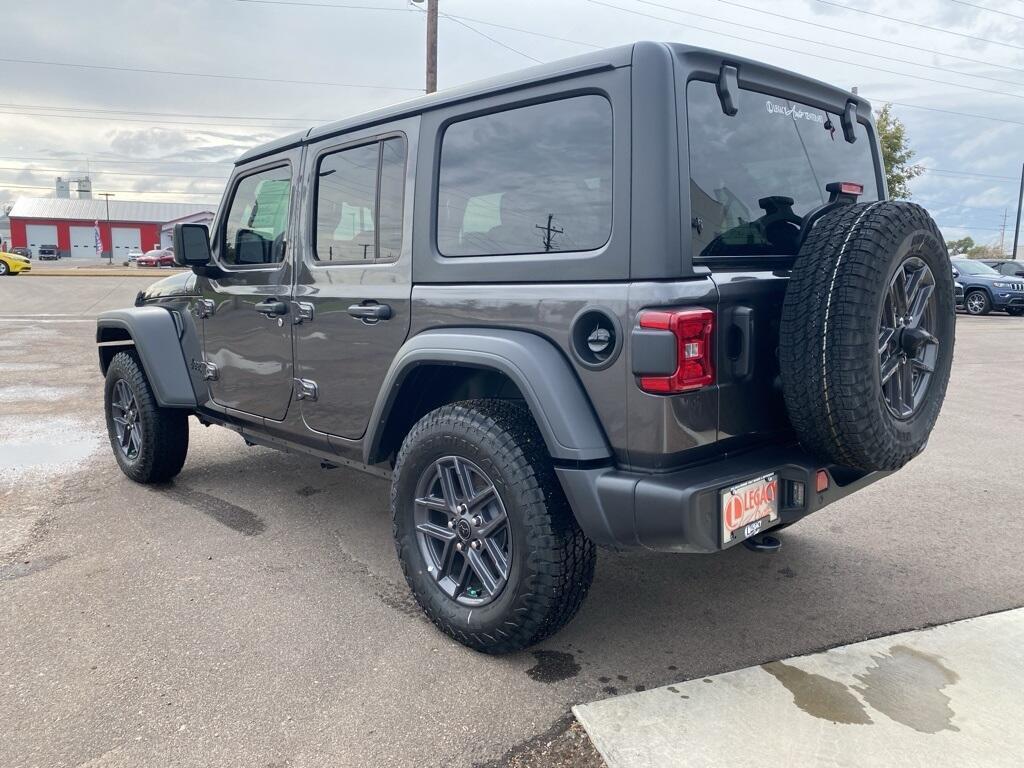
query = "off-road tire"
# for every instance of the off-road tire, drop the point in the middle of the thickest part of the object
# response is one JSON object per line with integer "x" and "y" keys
{"x": 829, "y": 336}
{"x": 552, "y": 563}
{"x": 164, "y": 442}
{"x": 984, "y": 307}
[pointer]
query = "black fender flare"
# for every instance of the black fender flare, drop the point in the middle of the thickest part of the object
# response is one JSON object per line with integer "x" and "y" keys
{"x": 157, "y": 340}
{"x": 552, "y": 391}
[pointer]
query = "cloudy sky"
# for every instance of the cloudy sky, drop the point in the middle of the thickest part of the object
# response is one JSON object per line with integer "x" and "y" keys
{"x": 223, "y": 75}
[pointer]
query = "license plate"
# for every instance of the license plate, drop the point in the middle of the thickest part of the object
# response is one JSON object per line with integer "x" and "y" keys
{"x": 749, "y": 508}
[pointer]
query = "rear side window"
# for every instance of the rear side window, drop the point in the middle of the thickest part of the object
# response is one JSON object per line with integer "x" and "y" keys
{"x": 534, "y": 179}
{"x": 754, "y": 174}
{"x": 258, "y": 218}
{"x": 359, "y": 197}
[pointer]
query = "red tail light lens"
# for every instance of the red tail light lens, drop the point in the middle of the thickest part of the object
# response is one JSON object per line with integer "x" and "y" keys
{"x": 694, "y": 350}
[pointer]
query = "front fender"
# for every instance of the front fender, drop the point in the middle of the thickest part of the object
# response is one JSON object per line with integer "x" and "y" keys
{"x": 556, "y": 399}
{"x": 157, "y": 339}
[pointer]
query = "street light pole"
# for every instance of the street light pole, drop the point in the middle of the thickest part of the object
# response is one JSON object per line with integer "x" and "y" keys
{"x": 1020, "y": 202}
{"x": 110, "y": 232}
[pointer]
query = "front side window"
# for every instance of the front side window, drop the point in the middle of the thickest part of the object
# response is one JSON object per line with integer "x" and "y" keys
{"x": 258, "y": 219}
{"x": 533, "y": 179}
{"x": 753, "y": 175}
{"x": 359, "y": 196}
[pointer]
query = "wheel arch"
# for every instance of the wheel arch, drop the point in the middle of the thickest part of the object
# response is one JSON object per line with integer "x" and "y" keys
{"x": 441, "y": 366}
{"x": 156, "y": 338}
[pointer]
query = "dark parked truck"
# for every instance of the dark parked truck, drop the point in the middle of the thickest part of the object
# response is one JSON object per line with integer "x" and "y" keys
{"x": 650, "y": 298}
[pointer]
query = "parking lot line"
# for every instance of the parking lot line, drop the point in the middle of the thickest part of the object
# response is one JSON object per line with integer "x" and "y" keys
{"x": 948, "y": 695}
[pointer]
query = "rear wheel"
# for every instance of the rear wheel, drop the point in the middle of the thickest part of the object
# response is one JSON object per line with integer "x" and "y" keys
{"x": 977, "y": 303}
{"x": 485, "y": 536}
{"x": 149, "y": 442}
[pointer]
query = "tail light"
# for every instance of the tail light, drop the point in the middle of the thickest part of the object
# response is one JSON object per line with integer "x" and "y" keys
{"x": 692, "y": 329}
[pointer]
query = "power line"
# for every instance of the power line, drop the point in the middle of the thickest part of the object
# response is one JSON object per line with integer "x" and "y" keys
{"x": 94, "y": 172}
{"x": 986, "y": 8}
{"x": 492, "y": 39}
{"x": 948, "y": 111}
{"x": 920, "y": 26}
{"x": 91, "y": 160}
{"x": 970, "y": 173}
{"x": 149, "y": 122}
{"x": 108, "y": 67}
{"x": 833, "y": 46}
{"x": 887, "y": 42}
{"x": 4, "y": 185}
{"x": 163, "y": 114}
{"x": 805, "y": 53}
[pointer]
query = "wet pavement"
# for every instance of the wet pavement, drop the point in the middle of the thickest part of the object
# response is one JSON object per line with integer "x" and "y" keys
{"x": 948, "y": 695}
{"x": 252, "y": 611}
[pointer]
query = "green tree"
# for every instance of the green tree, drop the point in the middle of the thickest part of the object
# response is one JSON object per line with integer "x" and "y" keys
{"x": 896, "y": 154}
{"x": 957, "y": 247}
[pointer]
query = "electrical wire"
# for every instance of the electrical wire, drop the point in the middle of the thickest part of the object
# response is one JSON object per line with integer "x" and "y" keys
{"x": 4, "y": 185}
{"x": 986, "y": 8}
{"x": 120, "y": 161}
{"x": 164, "y": 114}
{"x": 488, "y": 37}
{"x": 94, "y": 172}
{"x": 920, "y": 25}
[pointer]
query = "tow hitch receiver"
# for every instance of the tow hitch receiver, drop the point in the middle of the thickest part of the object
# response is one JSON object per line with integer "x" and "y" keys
{"x": 763, "y": 542}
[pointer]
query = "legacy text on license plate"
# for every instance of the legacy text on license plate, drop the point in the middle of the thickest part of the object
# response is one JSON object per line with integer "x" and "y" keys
{"x": 749, "y": 508}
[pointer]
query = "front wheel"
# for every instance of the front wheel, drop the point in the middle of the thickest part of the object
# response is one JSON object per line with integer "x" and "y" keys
{"x": 977, "y": 303}
{"x": 149, "y": 442}
{"x": 4, "y": 269}
{"x": 485, "y": 536}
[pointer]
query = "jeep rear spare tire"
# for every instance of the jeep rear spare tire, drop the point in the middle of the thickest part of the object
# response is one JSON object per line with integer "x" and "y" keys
{"x": 866, "y": 340}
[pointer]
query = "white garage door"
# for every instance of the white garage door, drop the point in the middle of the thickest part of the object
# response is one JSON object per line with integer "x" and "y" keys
{"x": 126, "y": 239}
{"x": 83, "y": 241}
{"x": 40, "y": 234}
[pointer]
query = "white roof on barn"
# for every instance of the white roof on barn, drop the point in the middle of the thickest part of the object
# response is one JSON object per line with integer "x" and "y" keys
{"x": 96, "y": 210}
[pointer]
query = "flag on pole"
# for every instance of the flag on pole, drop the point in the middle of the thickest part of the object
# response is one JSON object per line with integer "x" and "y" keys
{"x": 99, "y": 240}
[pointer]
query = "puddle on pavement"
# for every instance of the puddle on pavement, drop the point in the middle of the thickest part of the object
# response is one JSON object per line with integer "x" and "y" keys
{"x": 906, "y": 685}
{"x": 819, "y": 696}
{"x": 553, "y": 666}
{"x": 43, "y": 446}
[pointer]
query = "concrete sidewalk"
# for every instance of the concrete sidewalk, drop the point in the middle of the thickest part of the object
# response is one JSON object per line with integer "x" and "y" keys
{"x": 949, "y": 695}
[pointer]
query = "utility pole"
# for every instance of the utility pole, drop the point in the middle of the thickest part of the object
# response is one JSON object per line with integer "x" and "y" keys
{"x": 549, "y": 233}
{"x": 1020, "y": 200}
{"x": 1002, "y": 235}
{"x": 431, "y": 43}
{"x": 110, "y": 232}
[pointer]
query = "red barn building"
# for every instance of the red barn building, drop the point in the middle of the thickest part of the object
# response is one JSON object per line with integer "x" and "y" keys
{"x": 70, "y": 224}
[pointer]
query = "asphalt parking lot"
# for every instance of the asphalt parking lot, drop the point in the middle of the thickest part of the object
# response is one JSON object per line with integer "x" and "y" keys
{"x": 253, "y": 613}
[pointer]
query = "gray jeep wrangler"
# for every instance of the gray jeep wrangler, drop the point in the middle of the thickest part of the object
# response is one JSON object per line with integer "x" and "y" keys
{"x": 653, "y": 298}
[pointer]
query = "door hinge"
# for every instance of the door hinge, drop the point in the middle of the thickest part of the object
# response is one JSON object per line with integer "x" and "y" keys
{"x": 303, "y": 312}
{"x": 306, "y": 389}
{"x": 210, "y": 372}
{"x": 204, "y": 308}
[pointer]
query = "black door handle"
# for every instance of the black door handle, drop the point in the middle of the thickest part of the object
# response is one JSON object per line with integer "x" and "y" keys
{"x": 271, "y": 307}
{"x": 370, "y": 313}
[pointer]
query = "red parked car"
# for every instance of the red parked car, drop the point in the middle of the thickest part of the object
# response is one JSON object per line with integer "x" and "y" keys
{"x": 158, "y": 258}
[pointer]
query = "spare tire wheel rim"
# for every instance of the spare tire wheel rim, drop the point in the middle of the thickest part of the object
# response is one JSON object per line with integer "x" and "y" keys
{"x": 462, "y": 531}
{"x": 907, "y": 345}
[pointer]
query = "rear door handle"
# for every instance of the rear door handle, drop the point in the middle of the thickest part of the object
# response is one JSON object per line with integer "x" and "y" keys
{"x": 271, "y": 307}
{"x": 370, "y": 312}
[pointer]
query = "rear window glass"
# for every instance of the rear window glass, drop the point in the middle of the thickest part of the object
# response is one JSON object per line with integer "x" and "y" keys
{"x": 753, "y": 175}
{"x": 534, "y": 179}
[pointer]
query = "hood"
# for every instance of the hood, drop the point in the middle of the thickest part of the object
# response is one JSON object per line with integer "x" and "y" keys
{"x": 178, "y": 284}
{"x": 17, "y": 257}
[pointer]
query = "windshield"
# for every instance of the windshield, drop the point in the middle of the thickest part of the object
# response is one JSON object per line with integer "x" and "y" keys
{"x": 973, "y": 268}
{"x": 754, "y": 175}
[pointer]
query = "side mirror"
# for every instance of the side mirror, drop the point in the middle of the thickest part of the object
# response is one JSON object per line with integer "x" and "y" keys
{"x": 191, "y": 245}
{"x": 956, "y": 272}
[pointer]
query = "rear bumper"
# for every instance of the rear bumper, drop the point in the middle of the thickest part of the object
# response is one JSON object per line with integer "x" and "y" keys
{"x": 679, "y": 511}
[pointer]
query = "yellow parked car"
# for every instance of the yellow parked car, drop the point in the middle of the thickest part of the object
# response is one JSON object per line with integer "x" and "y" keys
{"x": 12, "y": 264}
